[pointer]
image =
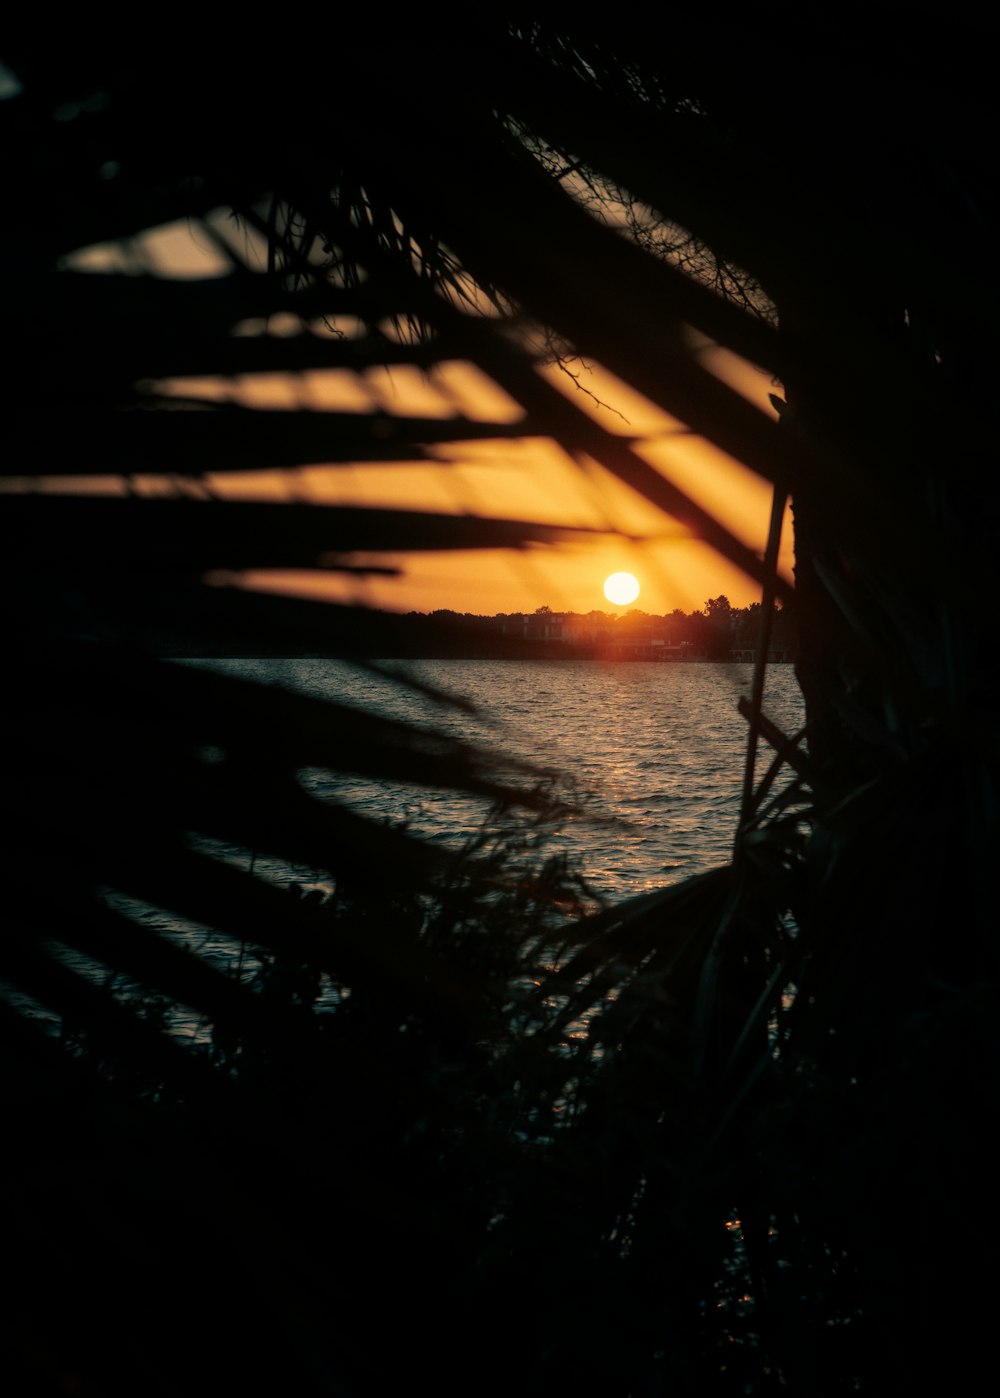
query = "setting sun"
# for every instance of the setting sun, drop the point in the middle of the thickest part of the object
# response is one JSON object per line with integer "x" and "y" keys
{"x": 621, "y": 588}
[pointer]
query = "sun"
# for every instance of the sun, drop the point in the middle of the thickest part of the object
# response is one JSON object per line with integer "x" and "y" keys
{"x": 621, "y": 588}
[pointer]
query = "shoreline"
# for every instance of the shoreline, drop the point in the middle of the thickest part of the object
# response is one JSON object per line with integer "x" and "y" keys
{"x": 225, "y": 653}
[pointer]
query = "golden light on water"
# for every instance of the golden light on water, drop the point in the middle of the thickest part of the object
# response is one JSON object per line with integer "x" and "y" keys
{"x": 621, "y": 588}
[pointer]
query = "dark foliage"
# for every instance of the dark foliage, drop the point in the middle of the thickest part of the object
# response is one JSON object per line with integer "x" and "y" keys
{"x": 731, "y": 1137}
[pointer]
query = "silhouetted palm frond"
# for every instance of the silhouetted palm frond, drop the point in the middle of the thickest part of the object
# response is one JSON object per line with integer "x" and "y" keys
{"x": 727, "y": 1138}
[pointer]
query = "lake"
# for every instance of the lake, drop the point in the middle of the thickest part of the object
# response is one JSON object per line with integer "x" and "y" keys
{"x": 650, "y": 753}
{"x": 654, "y": 750}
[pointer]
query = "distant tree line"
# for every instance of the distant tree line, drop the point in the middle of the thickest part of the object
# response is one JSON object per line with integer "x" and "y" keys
{"x": 718, "y": 631}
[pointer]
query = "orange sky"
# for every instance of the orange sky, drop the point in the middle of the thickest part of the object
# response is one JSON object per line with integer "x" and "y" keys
{"x": 522, "y": 478}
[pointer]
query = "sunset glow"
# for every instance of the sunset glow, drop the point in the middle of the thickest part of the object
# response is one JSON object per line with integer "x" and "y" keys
{"x": 621, "y": 589}
{"x": 514, "y": 477}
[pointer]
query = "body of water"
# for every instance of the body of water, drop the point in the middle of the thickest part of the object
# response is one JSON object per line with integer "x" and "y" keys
{"x": 650, "y": 754}
{"x": 653, "y": 751}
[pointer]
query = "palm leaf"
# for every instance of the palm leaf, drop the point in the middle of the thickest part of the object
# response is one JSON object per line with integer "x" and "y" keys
{"x": 753, "y": 1041}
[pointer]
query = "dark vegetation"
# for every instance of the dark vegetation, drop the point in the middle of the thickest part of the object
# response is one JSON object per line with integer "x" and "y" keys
{"x": 738, "y": 1138}
{"x": 719, "y": 632}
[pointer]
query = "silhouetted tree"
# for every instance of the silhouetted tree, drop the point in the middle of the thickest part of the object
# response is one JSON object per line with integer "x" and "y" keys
{"x": 768, "y": 1161}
